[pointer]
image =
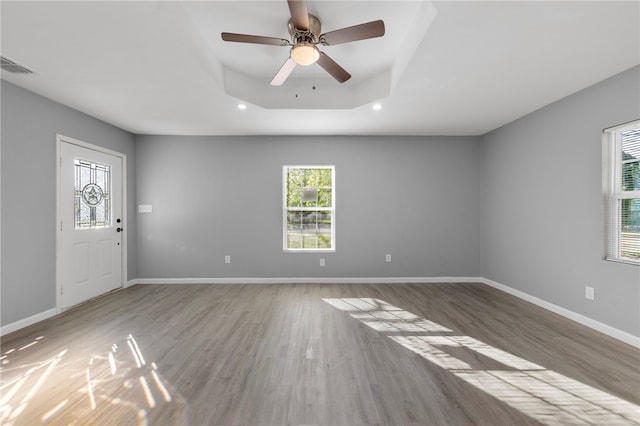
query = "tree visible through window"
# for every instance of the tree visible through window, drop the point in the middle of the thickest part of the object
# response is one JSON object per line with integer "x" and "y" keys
{"x": 309, "y": 208}
{"x": 622, "y": 192}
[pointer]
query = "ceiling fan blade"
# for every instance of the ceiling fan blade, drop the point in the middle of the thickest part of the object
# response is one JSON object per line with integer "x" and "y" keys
{"x": 245, "y": 38}
{"x": 299, "y": 14}
{"x": 284, "y": 72}
{"x": 333, "y": 68}
{"x": 357, "y": 32}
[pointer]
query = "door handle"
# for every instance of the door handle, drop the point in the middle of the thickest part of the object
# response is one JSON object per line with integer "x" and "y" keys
{"x": 119, "y": 229}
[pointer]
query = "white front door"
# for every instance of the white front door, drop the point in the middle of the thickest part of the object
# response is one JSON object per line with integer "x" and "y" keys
{"x": 90, "y": 233}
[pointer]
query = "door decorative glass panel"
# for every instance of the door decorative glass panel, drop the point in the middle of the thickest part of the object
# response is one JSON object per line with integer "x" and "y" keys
{"x": 92, "y": 196}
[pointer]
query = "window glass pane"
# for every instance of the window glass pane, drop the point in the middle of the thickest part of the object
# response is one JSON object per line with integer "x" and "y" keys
{"x": 92, "y": 195}
{"x": 309, "y": 213}
{"x": 313, "y": 241}
{"x": 309, "y": 229}
{"x": 621, "y": 178}
{"x": 630, "y": 228}
{"x": 631, "y": 144}
{"x": 316, "y": 229}
{"x": 310, "y": 177}
{"x": 325, "y": 177}
{"x": 294, "y": 185}
{"x": 293, "y": 196}
{"x": 324, "y": 197}
{"x": 294, "y": 230}
{"x": 309, "y": 187}
{"x": 631, "y": 176}
{"x": 631, "y": 160}
{"x": 294, "y": 220}
{"x": 294, "y": 240}
{"x": 83, "y": 215}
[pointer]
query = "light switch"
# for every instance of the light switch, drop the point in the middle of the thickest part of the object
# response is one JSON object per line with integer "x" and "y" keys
{"x": 145, "y": 208}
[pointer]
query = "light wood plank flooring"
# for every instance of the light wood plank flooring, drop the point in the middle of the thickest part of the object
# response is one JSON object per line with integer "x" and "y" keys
{"x": 401, "y": 354}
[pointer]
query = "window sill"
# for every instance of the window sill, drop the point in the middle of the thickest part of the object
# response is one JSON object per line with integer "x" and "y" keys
{"x": 625, "y": 261}
{"x": 309, "y": 251}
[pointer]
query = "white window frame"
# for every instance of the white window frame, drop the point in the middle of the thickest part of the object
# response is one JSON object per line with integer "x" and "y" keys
{"x": 612, "y": 190}
{"x": 286, "y": 209}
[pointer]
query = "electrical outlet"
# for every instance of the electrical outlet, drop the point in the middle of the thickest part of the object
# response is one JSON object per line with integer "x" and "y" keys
{"x": 321, "y": 262}
{"x": 227, "y": 259}
{"x": 388, "y": 258}
{"x": 589, "y": 293}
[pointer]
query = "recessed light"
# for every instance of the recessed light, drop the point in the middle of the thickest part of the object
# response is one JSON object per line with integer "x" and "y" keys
{"x": 377, "y": 107}
{"x": 242, "y": 106}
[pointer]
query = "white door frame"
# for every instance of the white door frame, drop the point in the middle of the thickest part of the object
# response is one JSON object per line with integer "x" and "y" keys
{"x": 60, "y": 139}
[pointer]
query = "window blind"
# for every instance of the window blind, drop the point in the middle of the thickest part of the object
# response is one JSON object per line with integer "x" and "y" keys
{"x": 621, "y": 190}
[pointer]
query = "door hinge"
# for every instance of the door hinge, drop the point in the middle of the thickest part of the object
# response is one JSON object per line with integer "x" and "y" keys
{"x": 60, "y": 225}
{"x": 61, "y": 291}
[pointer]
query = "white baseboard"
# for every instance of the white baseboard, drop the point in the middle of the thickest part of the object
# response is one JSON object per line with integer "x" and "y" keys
{"x": 306, "y": 280}
{"x": 581, "y": 319}
{"x": 14, "y": 326}
{"x": 130, "y": 283}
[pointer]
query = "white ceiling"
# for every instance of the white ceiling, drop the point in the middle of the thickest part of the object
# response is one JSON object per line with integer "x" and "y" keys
{"x": 442, "y": 68}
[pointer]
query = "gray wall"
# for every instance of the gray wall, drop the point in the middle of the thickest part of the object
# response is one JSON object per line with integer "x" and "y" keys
{"x": 542, "y": 207}
{"x": 29, "y": 126}
{"x": 416, "y": 198}
{"x": 521, "y": 206}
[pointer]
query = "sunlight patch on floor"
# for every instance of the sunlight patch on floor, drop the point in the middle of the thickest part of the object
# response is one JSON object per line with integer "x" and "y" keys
{"x": 21, "y": 389}
{"x": 535, "y": 391}
{"x": 114, "y": 387}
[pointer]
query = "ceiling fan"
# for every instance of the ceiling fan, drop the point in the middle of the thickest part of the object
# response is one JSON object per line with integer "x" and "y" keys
{"x": 305, "y": 37}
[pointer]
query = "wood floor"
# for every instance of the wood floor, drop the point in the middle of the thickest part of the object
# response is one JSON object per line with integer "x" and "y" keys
{"x": 401, "y": 354}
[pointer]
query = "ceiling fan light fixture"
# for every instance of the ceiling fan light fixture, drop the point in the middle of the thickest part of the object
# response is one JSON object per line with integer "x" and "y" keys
{"x": 305, "y": 54}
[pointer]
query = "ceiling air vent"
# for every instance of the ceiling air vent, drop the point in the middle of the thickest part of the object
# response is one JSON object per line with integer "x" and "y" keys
{"x": 11, "y": 66}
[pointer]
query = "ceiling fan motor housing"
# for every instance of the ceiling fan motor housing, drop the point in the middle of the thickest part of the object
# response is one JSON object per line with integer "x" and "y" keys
{"x": 311, "y": 35}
